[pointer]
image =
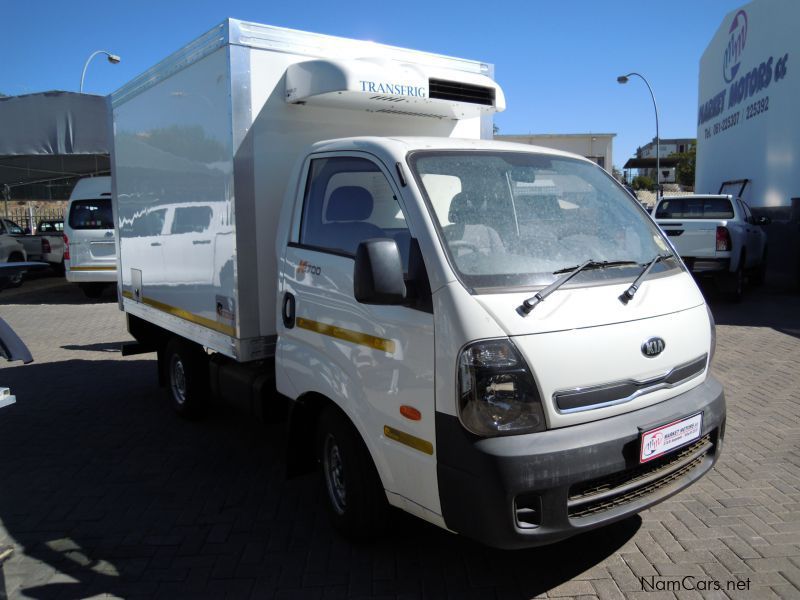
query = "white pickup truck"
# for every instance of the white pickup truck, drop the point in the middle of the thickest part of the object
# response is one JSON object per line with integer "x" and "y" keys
{"x": 46, "y": 246}
{"x": 716, "y": 236}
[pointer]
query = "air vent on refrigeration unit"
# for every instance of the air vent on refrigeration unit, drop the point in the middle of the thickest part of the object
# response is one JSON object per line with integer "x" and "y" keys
{"x": 457, "y": 91}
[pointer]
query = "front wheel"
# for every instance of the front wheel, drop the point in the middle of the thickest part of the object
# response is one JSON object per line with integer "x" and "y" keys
{"x": 186, "y": 376}
{"x": 355, "y": 496}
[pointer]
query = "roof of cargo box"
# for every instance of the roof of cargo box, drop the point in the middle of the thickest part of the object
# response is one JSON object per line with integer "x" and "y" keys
{"x": 279, "y": 39}
{"x": 49, "y": 141}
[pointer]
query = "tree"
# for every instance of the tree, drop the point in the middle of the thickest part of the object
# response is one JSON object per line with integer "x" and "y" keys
{"x": 643, "y": 182}
{"x": 617, "y": 174}
{"x": 684, "y": 170}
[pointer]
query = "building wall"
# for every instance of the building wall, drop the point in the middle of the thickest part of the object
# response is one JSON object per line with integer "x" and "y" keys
{"x": 594, "y": 146}
{"x": 666, "y": 147}
{"x": 748, "y": 119}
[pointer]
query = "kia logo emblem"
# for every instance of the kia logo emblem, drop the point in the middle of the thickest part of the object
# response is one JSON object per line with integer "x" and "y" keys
{"x": 653, "y": 347}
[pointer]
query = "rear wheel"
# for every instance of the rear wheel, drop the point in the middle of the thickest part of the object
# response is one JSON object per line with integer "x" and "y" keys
{"x": 736, "y": 283}
{"x": 186, "y": 376}
{"x": 760, "y": 272}
{"x": 356, "y": 500}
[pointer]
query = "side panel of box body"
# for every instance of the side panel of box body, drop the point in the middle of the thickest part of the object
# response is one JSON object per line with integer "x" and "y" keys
{"x": 281, "y": 134}
{"x": 174, "y": 176}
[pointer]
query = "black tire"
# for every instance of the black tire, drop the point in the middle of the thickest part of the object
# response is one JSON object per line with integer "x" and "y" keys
{"x": 185, "y": 376}
{"x": 760, "y": 272}
{"x": 92, "y": 290}
{"x": 58, "y": 268}
{"x": 355, "y": 496}
{"x": 736, "y": 283}
{"x": 15, "y": 280}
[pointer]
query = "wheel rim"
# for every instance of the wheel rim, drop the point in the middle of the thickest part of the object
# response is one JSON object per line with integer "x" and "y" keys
{"x": 177, "y": 379}
{"x": 334, "y": 474}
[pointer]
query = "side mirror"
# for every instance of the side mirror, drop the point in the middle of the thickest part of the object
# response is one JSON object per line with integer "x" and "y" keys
{"x": 378, "y": 273}
{"x": 763, "y": 221}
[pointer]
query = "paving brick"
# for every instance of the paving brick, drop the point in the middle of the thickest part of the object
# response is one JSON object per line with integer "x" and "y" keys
{"x": 106, "y": 481}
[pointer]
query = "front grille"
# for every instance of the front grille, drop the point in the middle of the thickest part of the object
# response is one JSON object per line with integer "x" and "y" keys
{"x": 457, "y": 91}
{"x": 618, "y": 392}
{"x": 598, "y": 495}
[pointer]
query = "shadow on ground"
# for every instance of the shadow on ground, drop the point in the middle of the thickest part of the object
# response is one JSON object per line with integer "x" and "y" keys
{"x": 776, "y": 307}
{"x": 50, "y": 288}
{"x": 104, "y": 490}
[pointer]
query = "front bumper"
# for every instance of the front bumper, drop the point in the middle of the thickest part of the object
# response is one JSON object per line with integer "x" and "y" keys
{"x": 494, "y": 490}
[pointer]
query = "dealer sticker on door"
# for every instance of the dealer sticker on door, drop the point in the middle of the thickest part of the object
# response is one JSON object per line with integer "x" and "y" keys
{"x": 661, "y": 440}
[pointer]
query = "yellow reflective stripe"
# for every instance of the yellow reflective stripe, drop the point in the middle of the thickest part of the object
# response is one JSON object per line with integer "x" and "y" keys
{"x": 185, "y": 315}
{"x": 114, "y": 268}
{"x": 408, "y": 439}
{"x": 348, "y": 335}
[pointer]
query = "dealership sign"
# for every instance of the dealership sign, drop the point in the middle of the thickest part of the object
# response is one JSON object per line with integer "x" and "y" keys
{"x": 744, "y": 86}
{"x": 733, "y": 53}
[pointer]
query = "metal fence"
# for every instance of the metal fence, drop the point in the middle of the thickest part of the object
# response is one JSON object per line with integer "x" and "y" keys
{"x": 27, "y": 218}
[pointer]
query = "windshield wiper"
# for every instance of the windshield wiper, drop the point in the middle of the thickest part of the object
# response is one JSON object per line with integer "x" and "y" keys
{"x": 567, "y": 274}
{"x": 628, "y": 294}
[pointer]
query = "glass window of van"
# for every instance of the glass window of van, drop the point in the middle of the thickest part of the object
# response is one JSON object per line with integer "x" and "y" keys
{"x": 91, "y": 214}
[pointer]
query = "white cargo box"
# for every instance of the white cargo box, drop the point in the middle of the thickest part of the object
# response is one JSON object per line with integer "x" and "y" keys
{"x": 204, "y": 146}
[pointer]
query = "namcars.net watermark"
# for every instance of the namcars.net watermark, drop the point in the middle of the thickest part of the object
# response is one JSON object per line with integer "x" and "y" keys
{"x": 651, "y": 583}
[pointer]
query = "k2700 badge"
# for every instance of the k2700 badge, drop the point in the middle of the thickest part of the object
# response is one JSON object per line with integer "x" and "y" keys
{"x": 304, "y": 267}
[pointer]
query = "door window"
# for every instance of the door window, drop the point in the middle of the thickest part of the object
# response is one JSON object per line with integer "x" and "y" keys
{"x": 349, "y": 200}
{"x": 191, "y": 219}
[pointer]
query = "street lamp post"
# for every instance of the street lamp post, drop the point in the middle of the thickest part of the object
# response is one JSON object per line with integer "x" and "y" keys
{"x": 624, "y": 79}
{"x": 112, "y": 58}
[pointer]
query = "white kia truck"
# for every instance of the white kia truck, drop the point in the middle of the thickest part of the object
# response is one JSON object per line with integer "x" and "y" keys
{"x": 491, "y": 336}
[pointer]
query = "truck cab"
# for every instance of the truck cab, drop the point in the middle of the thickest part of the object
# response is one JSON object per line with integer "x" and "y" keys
{"x": 409, "y": 271}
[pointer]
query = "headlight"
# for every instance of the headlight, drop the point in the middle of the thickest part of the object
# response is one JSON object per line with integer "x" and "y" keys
{"x": 497, "y": 394}
{"x": 713, "y": 336}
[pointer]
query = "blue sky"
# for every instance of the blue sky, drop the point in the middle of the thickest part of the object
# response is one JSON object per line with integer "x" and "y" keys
{"x": 557, "y": 61}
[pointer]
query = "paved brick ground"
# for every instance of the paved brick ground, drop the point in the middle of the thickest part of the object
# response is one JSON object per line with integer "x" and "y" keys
{"x": 104, "y": 491}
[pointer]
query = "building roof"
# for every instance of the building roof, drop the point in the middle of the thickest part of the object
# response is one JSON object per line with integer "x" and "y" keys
{"x": 650, "y": 163}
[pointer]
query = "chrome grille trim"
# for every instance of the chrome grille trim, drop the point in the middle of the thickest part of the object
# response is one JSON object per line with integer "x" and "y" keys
{"x": 596, "y": 496}
{"x": 619, "y": 392}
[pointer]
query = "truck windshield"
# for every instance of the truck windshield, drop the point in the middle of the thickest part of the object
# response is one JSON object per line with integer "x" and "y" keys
{"x": 510, "y": 219}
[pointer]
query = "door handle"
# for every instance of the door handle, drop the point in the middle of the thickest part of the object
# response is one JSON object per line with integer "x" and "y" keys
{"x": 287, "y": 310}
{"x": 155, "y": 243}
{"x": 199, "y": 242}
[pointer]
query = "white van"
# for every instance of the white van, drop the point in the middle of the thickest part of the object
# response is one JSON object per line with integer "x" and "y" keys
{"x": 491, "y": 336}
{"x": 90, "y": 256}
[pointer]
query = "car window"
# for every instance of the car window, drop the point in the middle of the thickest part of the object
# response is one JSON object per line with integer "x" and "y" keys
{"x": 191, "y": 219}
{"x": 51, "y": 226}
{"x": 695, "y": 208}
{"x": 348, "y": 200}
{"x": 91, "y": 214}
{"x": 13, "y": 228}
{"x": 747, "y": 213}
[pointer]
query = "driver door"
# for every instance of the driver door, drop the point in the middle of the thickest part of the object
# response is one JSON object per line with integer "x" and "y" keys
{"x": 370, "y": 360}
